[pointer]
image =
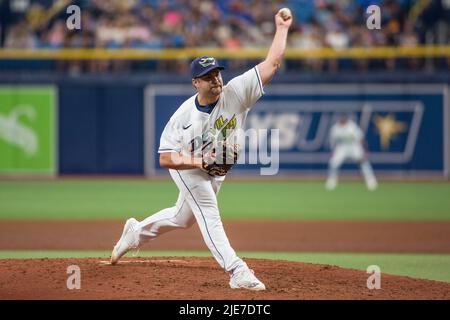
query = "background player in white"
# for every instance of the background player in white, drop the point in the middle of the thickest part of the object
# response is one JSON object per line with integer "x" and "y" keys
{"x": 215, "y": 111}
{"x": 347, "y": 142}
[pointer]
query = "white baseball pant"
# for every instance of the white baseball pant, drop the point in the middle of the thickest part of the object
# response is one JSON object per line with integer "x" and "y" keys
{"x": 197, "y": 201}
{"x": 353, "y": 152}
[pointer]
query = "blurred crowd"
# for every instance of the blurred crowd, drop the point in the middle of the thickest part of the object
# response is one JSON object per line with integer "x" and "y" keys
{"x": 232, "y": 24}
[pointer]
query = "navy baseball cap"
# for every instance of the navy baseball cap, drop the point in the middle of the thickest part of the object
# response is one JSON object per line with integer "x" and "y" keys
{"x": 202, "y": 65}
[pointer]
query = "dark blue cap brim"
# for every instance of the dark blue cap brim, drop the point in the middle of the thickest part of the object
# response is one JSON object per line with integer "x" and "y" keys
{"x": 206, "y": 70}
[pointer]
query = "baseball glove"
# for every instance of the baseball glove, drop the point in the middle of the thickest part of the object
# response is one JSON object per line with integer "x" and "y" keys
{"x": 219, "y": 159}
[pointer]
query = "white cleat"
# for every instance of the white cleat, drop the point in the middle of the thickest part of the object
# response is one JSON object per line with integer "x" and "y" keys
{"x": 126, "y": 242}
{"x": 246, "y": 279}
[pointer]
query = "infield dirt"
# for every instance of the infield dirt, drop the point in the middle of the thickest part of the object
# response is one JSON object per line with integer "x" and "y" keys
{"x": 202, "y": 278}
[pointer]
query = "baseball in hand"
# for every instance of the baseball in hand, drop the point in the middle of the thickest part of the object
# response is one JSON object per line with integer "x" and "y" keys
{"x": 285, "y": 13}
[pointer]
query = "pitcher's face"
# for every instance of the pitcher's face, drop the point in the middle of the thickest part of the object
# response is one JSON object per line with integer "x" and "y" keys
{"x": 209, "y": 84}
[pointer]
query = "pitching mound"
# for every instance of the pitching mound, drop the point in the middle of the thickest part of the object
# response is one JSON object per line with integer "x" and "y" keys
{"x": 199, "y": 278}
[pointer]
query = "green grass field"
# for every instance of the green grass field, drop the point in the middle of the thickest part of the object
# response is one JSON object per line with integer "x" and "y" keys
{"x": 119, "y": 199}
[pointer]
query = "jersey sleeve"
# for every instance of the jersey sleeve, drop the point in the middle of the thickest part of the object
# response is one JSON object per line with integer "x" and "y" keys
{"x": 171, "y": 138}
{"x": 248, "y": 87}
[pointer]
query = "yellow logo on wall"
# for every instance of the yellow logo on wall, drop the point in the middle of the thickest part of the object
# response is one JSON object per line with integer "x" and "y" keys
{"x": 388, "y": 128}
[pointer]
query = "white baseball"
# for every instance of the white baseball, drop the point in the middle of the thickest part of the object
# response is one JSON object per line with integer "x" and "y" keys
{"x": 285, "y": 13}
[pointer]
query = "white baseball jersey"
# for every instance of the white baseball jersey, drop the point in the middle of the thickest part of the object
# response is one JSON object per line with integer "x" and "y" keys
{"x": 345, "y": 139}
{"x": 345, "y": 134}
{"x": 191, "y": 126}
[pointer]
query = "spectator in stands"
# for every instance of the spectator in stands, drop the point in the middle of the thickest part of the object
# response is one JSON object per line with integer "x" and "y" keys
{"x": 230, "y": 24}
{"x": 20, "y": 36}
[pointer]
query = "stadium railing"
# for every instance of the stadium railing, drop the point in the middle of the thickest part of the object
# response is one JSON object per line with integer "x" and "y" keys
{"x": 221, "y": 53}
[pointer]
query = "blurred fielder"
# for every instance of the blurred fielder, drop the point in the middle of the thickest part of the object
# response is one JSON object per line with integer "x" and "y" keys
{"x": 195, "y": 147}
{"x": 347, "y": 142}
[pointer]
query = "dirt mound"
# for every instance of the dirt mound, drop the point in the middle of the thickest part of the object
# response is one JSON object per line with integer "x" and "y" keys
{"x": 194, "y": 278}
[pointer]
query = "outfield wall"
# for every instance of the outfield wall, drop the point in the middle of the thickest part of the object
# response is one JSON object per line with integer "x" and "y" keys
{"x": 112, "y": 125}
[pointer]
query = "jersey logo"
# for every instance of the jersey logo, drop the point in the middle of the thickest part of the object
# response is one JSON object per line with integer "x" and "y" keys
{"x": 207, "y": 62}
{"x": 225, "y": 126}
{"x": 187, "y": 127}
{"x": 220, "y": 132}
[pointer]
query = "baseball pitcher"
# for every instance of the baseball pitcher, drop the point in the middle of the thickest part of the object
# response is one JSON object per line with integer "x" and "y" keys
{"x": 198, "y": 147}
